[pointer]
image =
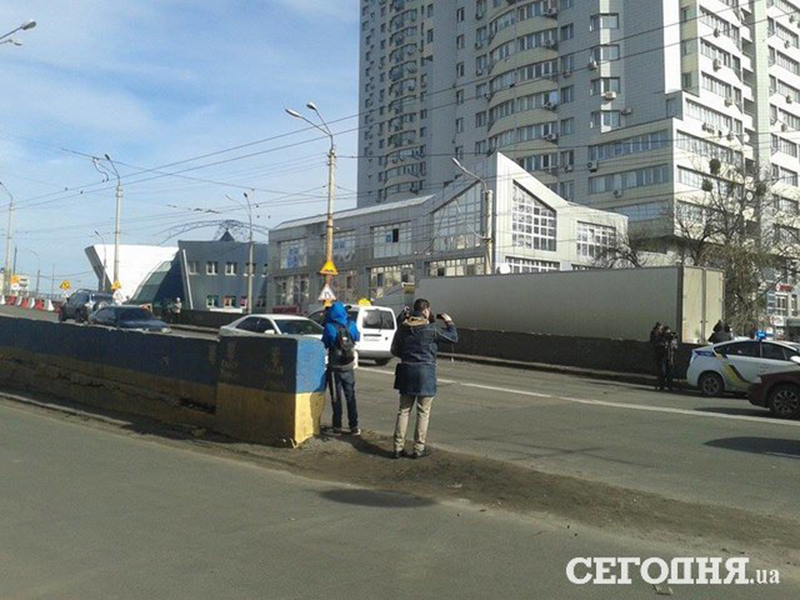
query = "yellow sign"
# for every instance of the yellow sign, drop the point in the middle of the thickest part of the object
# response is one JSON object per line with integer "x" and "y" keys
{"x": 65, "y": 285}
{"x": 329, "y": 268}
{"x": 14, "y": 279}
{"x": 364, "y": 302}
{"x": 115, "y": 286}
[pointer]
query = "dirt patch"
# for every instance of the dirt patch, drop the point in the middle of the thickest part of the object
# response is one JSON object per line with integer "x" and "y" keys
{"x": 366, "y": 461}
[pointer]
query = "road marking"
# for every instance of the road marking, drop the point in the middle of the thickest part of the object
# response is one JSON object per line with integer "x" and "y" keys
{"x": 507, "y": 390}
{"x": 384, "y": 372}
{"x": 606, "y": 403}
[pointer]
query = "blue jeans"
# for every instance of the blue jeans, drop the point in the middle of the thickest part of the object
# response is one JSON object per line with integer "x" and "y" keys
{"x": 344, "y": 382}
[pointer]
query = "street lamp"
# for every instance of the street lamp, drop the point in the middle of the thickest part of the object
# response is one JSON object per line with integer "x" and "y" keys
{"x": 38, "y": 269}
{"x": 488, "y": 236}
{"x": 105, "y": 264}
{"x": 30, "y": 24}
{"x": 102, "y": 169}
{"x": 250, "y": 269}
{"x": 331, "y": 178}
{"x": 7, "y": 273}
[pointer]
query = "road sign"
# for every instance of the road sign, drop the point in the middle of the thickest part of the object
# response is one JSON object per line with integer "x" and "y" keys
{"x": 327, "y": 295}
{"x": 329, "y": 268}
{"x": 65, "y": 285}
{"x": 14, "y": 287}
{"x": 15, "y": 279}
{"x": 115, "y": 286}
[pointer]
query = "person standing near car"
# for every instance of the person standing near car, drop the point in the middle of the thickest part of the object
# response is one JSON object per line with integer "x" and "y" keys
{"x": 416, "y": 344}
{"x": 340, "y": 337}
{"x": 669, "y": 351}
{"x": 658, "y": 350}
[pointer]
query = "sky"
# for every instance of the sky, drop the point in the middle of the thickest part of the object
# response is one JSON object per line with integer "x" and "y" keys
{"x": 188, "y": 98}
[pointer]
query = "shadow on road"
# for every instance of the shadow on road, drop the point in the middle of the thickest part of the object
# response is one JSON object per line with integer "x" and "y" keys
{"x": 377, "y": 499}
{"x": 759, "y": 445}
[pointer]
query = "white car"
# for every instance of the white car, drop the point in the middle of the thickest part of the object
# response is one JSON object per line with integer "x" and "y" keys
{"x": 734, "y": 366}
{"x": 377, "y": 326}
{"x": 272, "y": 325}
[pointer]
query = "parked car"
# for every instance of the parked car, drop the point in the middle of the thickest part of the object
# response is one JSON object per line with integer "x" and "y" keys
{"x": 129, "y": 317}
{"x": 779, "y": 392}
{"x": 272, "y": 325}
{"x": 734, "y": 366}
{"x": 82, "y": 303}
{"x": 377, "y": 325}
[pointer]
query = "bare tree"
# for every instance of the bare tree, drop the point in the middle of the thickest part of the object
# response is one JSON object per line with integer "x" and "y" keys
{"x": 736, "y": 224}
{"x": 628, "y": 251}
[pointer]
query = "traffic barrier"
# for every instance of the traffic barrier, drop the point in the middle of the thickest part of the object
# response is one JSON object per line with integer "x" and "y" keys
{"x": 19, "y": 300}
{"x": 2, "y": 300}
{"x": 49, "y": 307}
{"x": 39, "y": 305}
{"x": 263, "y": 389}
{"x": 24, "y": 302}
{"x": 11, "y": 300}
{"x": 32, "y": 303}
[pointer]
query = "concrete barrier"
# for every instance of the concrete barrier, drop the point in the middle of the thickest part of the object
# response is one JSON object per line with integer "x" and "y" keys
{"x": 265, "y": 389}
{"x": 622, "y": 356}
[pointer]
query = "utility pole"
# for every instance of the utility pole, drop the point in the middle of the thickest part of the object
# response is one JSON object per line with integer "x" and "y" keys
{"x": 118, "y": 195}
{"x": 488, "y": 225}
{"x": 251, "y": 268}
{"x": 38, "y": 277}
{"x": 331, "y": 181}
{"x": 7, "y": 273}
{"x": 53, "y": 281}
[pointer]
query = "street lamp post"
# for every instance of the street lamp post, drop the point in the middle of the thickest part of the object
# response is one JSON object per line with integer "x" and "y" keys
{"x": 118, "y": 217}
{"x": 7, "y": 39}
{"x": 38, "y": 269}
{"x": 104, "y": 287}
{"x": 331, "y": 179}
{"x": 7, "y": 273}
{"x": 488, "y": 235}
{"x": 250, "y": 268}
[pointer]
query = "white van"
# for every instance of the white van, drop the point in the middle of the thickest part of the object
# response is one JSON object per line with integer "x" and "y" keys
{"x": 377, "y": 325}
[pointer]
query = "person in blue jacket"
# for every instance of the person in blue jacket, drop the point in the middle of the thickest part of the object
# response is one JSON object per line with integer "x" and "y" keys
{"x": 340, "y": 337}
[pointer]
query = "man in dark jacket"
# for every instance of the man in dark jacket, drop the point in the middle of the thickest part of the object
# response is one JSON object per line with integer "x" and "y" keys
{"x": 416, "y": 344}
{"x": 339, "y": 337}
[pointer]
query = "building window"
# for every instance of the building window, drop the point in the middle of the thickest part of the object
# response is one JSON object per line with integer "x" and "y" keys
{"x": 644, "y": 177}
{"x": 383, "y": 278}
{"x": 567, "y": 126}
{"x": 193, "y": 267}
{"x": 291, "y": 291}
{"x": 212, "y": 268}
{"x": 459, "y": 125}
{"x": 633, "y": 145}
{"x": 265, "y": 270}
{"x": 457, "y": 225}
{"x": 293, "y": 254}
{"x": 566, "y": 189}
{"x": 533, "y": 224}
{"x": 527, "y": 265}
{"x": 603, "y": 85}
{"x": 261, "y": 302}
{"x": 460, "y": 97}
{"x": 594, "y": 239}
{"x": 480, "y": 119}
{"x": 567, "y": 94}
{"x": 605, "y": 53}
{"x": 229, "y": 302}
{"x": 345, "y": 286}
{"x": 344, "y": 247}
{"x": 231, "y": 268}
{"x": 567, "y": 32}
{"x": 604, "y": 21}
{"x": 460, "y": 42}
{"x": 458, "y": 267}
{"x": 605, "y": 119}
{"x": 391, "y": 240}
{"x": 460, "y": 15}
{"x": 212, "y": 301}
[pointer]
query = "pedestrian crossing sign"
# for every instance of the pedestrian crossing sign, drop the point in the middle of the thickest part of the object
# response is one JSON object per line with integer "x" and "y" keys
{"x": 327, "y": 295}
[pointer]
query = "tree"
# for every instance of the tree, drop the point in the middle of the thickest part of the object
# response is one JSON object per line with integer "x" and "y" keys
{"x": 627, "y": 251}
{"x": 736, "y": 224}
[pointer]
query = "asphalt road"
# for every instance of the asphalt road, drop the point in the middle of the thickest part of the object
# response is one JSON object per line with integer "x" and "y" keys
{"x": 682, "y": 446}
{"x": 92, "y": 514}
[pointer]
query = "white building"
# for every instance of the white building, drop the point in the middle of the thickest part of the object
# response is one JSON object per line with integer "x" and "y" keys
{"x": 615, "y": 104}
{"x": 376, "y": 248}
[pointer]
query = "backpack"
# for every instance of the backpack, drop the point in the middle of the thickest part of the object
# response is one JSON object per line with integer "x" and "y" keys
{"x": 344, "y": 351}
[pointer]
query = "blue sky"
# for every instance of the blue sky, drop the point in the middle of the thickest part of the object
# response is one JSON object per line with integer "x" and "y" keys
{"x": 158, "y": 82}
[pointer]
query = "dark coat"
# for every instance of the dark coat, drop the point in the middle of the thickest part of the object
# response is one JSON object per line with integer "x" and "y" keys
{"x": 416, "y": 344}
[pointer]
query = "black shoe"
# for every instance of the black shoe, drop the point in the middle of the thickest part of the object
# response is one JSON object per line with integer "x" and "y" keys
{"x": 336, "y": 430}
{"x": 399, "y": 454}
{"x": 425, "y": 452}
{"x": 355, "y": 431}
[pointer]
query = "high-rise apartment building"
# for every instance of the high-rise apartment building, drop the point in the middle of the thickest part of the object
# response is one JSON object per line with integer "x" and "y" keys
{"x": 618, "y": 104}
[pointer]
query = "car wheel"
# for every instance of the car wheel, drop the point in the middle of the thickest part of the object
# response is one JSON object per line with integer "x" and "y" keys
{"x": 711, "y": 384}
{"x": 382, "y": 362}
{"x": 784, "y": 401}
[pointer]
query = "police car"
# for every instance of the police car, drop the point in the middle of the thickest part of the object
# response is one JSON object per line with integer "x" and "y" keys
{"x": 734, "y": 366}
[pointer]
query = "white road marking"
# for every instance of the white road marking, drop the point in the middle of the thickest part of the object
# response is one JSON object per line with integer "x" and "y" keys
{"x": 507, "y": 390}
{"x": 646, "y": 407}
{"x": 384, "y": 372}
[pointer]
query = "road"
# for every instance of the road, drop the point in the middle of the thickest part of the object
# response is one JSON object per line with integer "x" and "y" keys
{"x": 87, "y": 513}
{"x": 682, "y": 446}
